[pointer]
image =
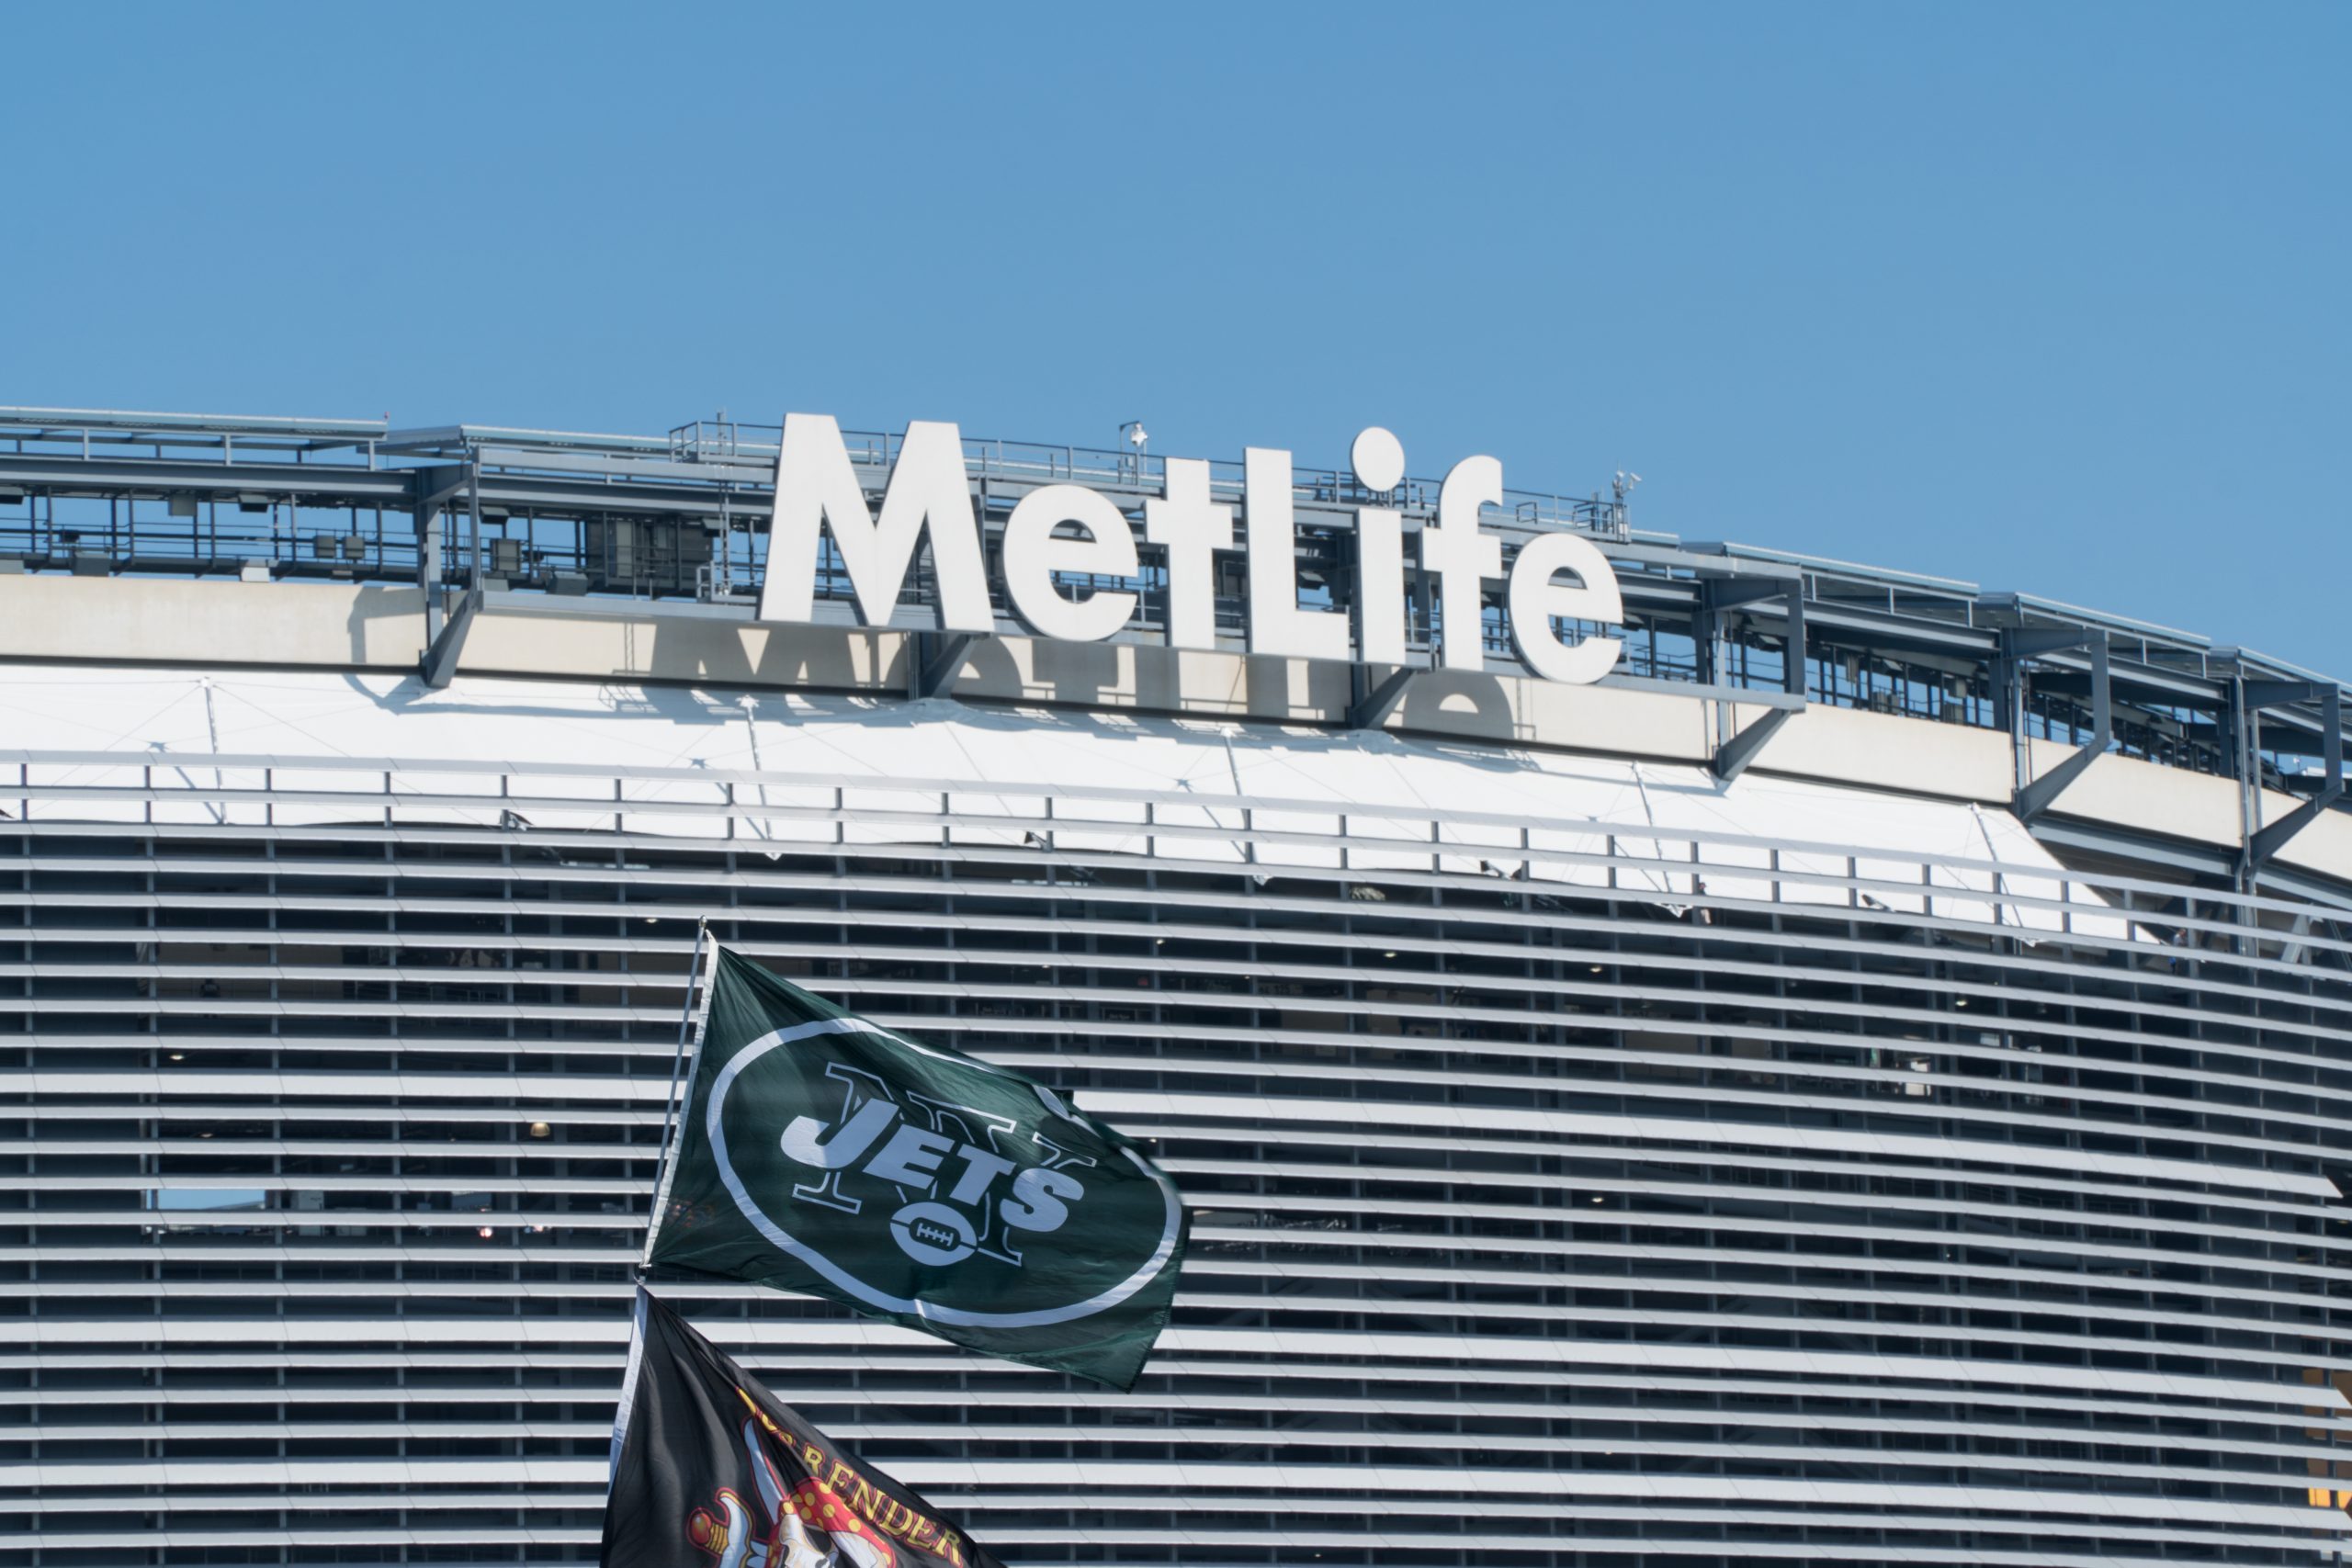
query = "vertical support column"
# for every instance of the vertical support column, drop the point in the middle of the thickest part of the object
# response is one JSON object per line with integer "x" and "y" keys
{"x": 1706, "y": 653}
{"x": 1732, "y": 753}
{"x": 2102, "y": 694}
{"x": 2262, "y": 840}
{"x": 2245, "y": 761}
{"x": 2246, "y": 730}
{"x": 473, "y": 521}
{"x": 428, "y": 564}
{"x": 1705, "y": 623}
{"x": 1795, "y": 660}
{"x": 2018, "y": 645}
{"x": 2008, "y": 703}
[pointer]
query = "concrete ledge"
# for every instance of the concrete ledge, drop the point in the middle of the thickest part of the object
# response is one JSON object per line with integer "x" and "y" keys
{"x": 1914, "y": 756}
{"x": 183, "y": 622}
{"x": 188, "y": 621}
{"x": 2146, "y": 797}
{"x": 685, "y": 649}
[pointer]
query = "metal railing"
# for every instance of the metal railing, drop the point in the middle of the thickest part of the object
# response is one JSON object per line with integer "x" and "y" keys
{"x": 98, "y": 492}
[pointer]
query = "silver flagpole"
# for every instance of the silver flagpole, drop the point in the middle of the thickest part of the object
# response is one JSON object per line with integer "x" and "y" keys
{"x": 670, "y": 1105}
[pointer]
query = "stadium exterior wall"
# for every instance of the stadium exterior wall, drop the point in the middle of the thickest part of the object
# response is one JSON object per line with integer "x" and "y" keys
{"x": 1594, "y": 1161}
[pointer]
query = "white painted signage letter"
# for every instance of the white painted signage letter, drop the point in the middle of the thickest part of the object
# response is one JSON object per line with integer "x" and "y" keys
{"x": 815, "y": 485}
{"x": 1276, "y": 623}
{"x": 1535, "y": 600}
{"x": 1379, "y": 458}
{"x": 1462, "y": 556}
{"x": 1192, "y": 529}
{"x": 1032, "y": 556}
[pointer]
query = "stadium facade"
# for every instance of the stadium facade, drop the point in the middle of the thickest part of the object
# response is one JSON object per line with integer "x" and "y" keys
{"x": 1859, "y": 1080}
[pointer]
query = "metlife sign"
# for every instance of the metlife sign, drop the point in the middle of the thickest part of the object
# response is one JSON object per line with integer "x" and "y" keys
{"x": 1070, "y": 529}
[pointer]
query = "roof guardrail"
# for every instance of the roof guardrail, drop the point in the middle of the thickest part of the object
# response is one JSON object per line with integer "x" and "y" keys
{"x": 93, "y": 492}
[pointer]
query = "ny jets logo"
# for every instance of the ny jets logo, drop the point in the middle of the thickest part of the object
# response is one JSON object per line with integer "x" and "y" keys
{"x": 919, "y": 1182}
{"x": 960, "y": 1181}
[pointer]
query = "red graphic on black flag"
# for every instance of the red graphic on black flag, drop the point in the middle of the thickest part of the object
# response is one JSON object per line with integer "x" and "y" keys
{"x": 808, "y": 1527}
{"x": 709, "y": 1466}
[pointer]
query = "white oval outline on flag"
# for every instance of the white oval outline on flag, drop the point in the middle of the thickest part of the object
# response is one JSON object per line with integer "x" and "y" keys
{"x": 787, "y": 1243}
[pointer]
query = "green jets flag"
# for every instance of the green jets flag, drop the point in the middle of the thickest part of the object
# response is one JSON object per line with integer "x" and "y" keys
{"x": 823, "y": 1153}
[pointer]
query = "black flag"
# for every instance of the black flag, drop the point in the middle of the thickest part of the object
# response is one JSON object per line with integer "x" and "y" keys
{"x": 711, "y": 1471}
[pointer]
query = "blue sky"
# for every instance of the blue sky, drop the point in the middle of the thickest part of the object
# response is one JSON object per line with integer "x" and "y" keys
{"x": 2053, "y": 297}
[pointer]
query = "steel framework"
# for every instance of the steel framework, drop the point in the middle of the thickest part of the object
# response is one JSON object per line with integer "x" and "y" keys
{"x": 683, "y": 517}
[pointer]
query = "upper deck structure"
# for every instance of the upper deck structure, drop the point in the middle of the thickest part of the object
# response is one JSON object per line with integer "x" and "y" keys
{"x": 510, "y": 551}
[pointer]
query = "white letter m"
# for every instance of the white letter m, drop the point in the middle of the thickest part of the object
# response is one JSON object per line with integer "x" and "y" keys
{"x": 816, "y": 486}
